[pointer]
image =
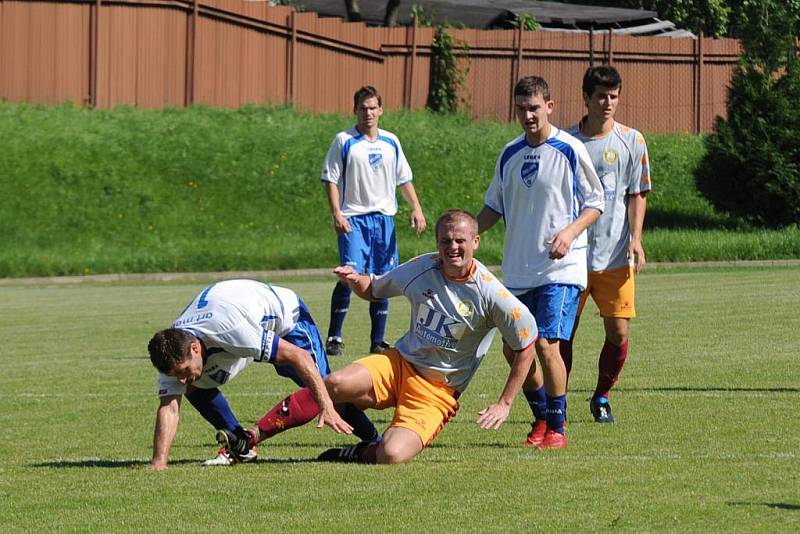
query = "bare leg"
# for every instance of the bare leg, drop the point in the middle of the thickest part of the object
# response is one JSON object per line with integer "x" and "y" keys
{"x": 399, "y": 445}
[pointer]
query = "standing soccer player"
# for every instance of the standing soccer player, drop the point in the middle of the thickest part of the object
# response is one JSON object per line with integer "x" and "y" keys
{"x": 363, "y": 168}
{"x": 548, "y": 194}
{"x": 619, "y": 154}
{"x": 225, "y": 328}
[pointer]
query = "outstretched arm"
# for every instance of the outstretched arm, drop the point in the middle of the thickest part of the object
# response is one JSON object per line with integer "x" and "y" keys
{"x": 302, "y": 362}
{"x": 418, "y": 222}
{"x": 494, "y": 415}
{"x": 361, "y": 284}
{"x": 167, "y": 417}
{"x": 637, "y": 205}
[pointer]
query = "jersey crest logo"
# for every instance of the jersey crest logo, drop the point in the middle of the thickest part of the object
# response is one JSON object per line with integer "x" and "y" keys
{"x": 464, "y": 308}
{"x": 428, "y": 294}
{"x": 529, "y": 172}
{"x": 610, "y": 156}
{"x": 375, "y": 161}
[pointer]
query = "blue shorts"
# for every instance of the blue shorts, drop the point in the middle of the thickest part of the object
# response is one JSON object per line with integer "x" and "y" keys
{"x": 306, "y": 336}
{"x": 554, "y": 306}
{"x": 371, "y": 246}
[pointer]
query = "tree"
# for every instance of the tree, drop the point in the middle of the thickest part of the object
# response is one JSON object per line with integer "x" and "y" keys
{"x": 752, "y": 162}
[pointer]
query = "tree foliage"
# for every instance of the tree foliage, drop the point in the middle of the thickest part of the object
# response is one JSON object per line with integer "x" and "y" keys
{"x": 752, "y": 164}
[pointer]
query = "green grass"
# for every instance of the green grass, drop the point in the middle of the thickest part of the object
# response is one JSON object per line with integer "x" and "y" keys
{"x": 706, "y": 438}
{"x": 199, "y": 189}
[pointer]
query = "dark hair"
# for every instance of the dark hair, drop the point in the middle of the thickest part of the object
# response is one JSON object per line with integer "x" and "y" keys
{"x": 532, "y": 85}
{"x": 169, "y": 347}
{"x": 456, "y": 216}
{"x": 604, "y": 75}
{"x": 364, "y": 93}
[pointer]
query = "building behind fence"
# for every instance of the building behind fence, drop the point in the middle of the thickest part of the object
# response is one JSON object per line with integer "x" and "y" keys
{"x": 157, "y": 53}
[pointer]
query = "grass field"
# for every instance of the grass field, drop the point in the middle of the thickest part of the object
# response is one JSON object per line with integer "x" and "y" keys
{"x": 706, "y": 439}
{"x": 199, "y": 189}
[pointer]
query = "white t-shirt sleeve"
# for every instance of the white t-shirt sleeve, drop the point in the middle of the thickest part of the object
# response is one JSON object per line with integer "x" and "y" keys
{"x": 249, "y": 341}
{"x": 333, "y": 166}
{"x": 640, "y": 167}
{"x": 394, "y": 283}
{"x": 511, "y": 317}
{"x": 590, "y": 189}
{"x": 404, "y": 174}
{"x": 494, "y": 194}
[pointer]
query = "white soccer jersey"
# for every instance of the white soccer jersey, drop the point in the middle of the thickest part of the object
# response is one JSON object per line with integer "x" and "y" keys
{"x": 620, "y": 158}
{"x": 453, "y": 322}
{"x": 366, "y": 172}
{"x": 539, "y": 190}
{"x": 238, "y": 322}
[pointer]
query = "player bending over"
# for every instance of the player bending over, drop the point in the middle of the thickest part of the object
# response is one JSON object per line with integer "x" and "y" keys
{"x": 228, "y": 326}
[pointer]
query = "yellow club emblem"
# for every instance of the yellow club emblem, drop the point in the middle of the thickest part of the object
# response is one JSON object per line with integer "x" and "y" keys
{"x": 464, "y": 308}
{"x": 610, "y": 156}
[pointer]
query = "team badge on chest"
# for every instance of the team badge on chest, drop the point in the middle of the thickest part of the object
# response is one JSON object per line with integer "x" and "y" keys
{"x": 529, "y": 172}
{"x": 375, "y": 160}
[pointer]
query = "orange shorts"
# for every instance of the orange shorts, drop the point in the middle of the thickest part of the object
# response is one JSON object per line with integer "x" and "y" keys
{"x": 613, "y": 291}
{"x": 420, "y": 406}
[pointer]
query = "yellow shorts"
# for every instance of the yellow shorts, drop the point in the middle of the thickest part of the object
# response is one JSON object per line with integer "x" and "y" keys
{"x": 420, "y": 406}
{"x": 613, "y": 291}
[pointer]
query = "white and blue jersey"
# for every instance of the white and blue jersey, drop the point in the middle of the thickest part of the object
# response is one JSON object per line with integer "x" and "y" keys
{"x": 539, "y": 190}
{"x": 621, "y": 160}
{"x": 239, "y": 322}
{"x": 366, "y": 172}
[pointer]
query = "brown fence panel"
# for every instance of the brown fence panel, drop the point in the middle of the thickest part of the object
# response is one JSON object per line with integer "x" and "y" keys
{"x": 43, "y": 53}
{"x": 155, "y": 53}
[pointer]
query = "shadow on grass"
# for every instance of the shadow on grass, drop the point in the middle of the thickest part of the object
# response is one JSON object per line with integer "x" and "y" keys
{"x": 142, "y": 464}
{"x": 673, "y": 220}
{"x": 699, "y": 388}
{"x": 775, "y": 505}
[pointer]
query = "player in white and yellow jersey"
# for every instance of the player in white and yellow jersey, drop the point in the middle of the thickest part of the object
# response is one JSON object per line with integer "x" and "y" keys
{"x": 547, "y": 192}
{"x": 616, "y": 254}
{"x": 225, "y": 328}
{"x": 456, "y": 304}
{"x": 363, "y": 168}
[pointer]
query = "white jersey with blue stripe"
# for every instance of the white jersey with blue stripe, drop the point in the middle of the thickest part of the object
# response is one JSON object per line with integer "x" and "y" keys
{"x": 238, "y": 322}
{"x": 539, "y": 190}
{"x": 453, "y": 321}
{"x": 621, "y": 160}
{"x": 366, "y": 172}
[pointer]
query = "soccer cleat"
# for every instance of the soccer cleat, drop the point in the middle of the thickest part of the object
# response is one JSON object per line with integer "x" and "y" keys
{"x": 601, "y": 411}
{"x": 553, "y": 440}
{"x": 378, "y": 348}
{"x": 334, "y": 346}
{"x": 237, "y": 445}
{"x": 351, "y": 453}
{"x": 536, "y": 435}
{"x": 225, "y": 458}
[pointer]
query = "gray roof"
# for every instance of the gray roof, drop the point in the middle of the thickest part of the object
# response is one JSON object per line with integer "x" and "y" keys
{"x": 501, "y": 13}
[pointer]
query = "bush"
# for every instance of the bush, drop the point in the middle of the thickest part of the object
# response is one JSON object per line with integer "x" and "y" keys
{"x": 752, "y": 163}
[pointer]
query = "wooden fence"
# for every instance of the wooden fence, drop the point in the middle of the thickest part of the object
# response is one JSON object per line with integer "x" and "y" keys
{"x": 156, "y": 53}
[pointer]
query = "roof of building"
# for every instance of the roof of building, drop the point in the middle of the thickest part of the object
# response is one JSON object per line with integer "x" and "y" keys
{"x": 553, "y": 16}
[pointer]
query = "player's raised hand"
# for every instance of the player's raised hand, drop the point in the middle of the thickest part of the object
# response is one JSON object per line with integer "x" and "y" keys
{"x": 493, "y": 416}
{"x": 418, "y": 221}
{"x": 346, "y": 273}
{"x": 331, "y": 418}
